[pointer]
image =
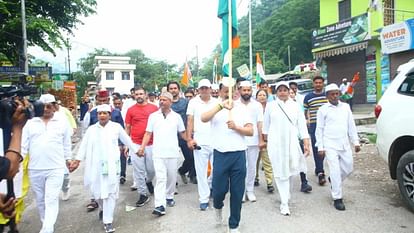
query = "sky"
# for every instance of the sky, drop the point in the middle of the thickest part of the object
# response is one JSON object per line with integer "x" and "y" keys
{"x": 165, "y": 30}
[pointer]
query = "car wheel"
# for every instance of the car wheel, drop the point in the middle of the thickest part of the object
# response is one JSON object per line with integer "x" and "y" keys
{"x": 405, "y": 177}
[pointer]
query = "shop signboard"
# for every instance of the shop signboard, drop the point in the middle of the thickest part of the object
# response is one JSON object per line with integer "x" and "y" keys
{"x": 370, "y": 68}
{"x": 398, "y": 37}
{"x": 353, "y": 30}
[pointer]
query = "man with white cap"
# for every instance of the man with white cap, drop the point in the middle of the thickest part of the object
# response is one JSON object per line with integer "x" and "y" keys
{"x": 164, "y": 124}
{"x": 214, "y": 90}
{"x": 47, "y": 140}
{"x": 230, "y": 126}
{"x": 199, "y": 138}
{"x": 99, "y": 149}
{"x": 255, "y": 112}
{"x": 335, "y": 127}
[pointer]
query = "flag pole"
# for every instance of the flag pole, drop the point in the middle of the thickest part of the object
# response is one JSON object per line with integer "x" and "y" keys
{"x": 230, "y": 50}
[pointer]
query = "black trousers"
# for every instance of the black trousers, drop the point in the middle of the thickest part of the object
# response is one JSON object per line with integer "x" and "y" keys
{"x": 188, "y": 164}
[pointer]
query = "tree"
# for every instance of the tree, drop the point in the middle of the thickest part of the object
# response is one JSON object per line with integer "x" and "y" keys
{"x": 47, "y": 23}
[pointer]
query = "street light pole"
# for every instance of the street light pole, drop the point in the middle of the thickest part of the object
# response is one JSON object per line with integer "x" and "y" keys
{"x": 24, "y": 36}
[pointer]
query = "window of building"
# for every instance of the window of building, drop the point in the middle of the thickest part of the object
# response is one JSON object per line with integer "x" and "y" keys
{"x": 110, "y": 90}
{"x": 407, "y": 87}
{"x": 110, "y": 75}
{"x": 388, "y": 12}
{"x": 125, "y": 75}
{"x": 344, "y": 8}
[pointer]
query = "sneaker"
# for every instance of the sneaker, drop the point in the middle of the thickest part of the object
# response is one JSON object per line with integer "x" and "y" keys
{"x": 270, "y": 188}
{"x": 256, "y": 183}
{"x": 284, "y": 209}
{"x": 234, "y": 230}
{"x": 109, "y": 228}
{"x": 321, "y": 178}
{"x": 305, "y": 188}
{"x": 170, "y": 202}
{"x": 142, "y": 200}
{"x": 122, "y": 180}
{"x": 134, "y": 187}
{"x": 251, "y": 197}
{"x": 65, "y": 195}
{"x": 339, "y": 204}
{"x": 159, "y": 211}
{"x": 203, "y": 206}
{"x": 219, "y": 216}
{"x": 150, "y": 187}
{"x": 184, "y": 178}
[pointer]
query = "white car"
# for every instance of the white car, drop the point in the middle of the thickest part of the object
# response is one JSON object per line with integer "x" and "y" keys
{"x": 395, "y": 130}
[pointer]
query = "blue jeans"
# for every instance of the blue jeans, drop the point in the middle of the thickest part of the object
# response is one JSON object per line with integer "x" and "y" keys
{"x": 229, "y": 171}
{"x": 318, "y": 160}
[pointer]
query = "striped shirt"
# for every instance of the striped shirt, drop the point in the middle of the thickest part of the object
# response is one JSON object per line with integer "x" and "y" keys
{"x": 312, "y": 103}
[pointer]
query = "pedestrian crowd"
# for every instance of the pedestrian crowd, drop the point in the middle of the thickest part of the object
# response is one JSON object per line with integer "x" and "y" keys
{"x": 225, "y": 132}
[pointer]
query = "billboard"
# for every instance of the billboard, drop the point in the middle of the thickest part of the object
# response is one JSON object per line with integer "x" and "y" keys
{"x": 398, "y": 37}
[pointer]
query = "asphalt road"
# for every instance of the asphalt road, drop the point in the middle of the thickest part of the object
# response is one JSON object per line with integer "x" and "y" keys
{"x": 371, "y": 198}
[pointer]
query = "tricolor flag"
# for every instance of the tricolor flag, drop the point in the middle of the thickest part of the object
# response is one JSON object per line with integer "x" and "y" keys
{"x": 187, "y": 77}
{"x": 260, "y": 74}
{"x": 223, "y": 14}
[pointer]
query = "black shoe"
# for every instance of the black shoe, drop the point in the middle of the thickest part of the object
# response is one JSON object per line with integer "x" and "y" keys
{"x": 270, "y": 188}
{"x": 184, "y": 178}
{"x": 100, "y": 215}
{"x": 305, "y": 187}
{"x": 142, "y": 200}
{"x": 150, "y": 187}
{"x": 170, "y": 202}
{"x": 159, "y": 211}
{"x": 256, "y": 183}
{"x": 193, "y": 179}
{"x": 122, "y": 180}
{"x": 321, "y": 178}
{"x": 339, "y": 204}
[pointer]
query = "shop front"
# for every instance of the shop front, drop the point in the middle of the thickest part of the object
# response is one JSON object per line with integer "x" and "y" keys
{"x": 346, "y": 48}
{"x": 397, "y": 47}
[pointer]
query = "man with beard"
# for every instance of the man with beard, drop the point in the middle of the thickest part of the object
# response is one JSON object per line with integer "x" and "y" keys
{"x": 254, "y": 109}
{"x": 230, "y": 126}
{"x": 143, "y": 167}
{"x": 179, "y": 105}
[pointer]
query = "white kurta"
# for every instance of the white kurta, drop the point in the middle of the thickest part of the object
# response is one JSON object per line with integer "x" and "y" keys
{"x": 283, "y": 137}
{"x": 99, "y": 149}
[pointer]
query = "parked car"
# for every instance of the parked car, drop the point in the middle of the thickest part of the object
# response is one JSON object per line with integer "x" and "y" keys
{"x": 395, "y": 130}
{"x": 305, "y": 85}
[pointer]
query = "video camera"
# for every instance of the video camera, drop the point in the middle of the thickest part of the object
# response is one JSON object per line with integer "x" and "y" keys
{"x": 8, "y": 106}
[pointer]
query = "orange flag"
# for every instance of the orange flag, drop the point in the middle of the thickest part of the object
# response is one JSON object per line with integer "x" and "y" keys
{"x": 186, "y": 79}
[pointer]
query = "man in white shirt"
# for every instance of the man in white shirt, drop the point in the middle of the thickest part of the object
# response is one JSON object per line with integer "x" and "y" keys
{"x": 255, "y": 112}
{"x": 164, "y": 124}
{"x": 199, "y": 138}
{"x": 230, "y": 126}
{"x": 47, "y": 139}
{"x": 334, "y": 128}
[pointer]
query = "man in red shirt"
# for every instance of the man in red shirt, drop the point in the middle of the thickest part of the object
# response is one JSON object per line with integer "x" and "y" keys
{"x": 136, "y": 122}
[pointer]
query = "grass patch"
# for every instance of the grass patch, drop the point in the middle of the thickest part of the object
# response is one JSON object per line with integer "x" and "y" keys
{"x": 372, "y": 138}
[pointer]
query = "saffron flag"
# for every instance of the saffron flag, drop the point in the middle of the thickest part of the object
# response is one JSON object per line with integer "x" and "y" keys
{"x": 187, "y": 77}
{"x": 223, "y": 14}
{"x": 260, "y": 74}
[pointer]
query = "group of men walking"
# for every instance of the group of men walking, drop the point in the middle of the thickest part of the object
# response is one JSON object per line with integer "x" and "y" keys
{"x": 220, "y": 138}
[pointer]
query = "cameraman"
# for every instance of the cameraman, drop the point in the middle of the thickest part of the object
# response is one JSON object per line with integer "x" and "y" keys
{"x": 10, "y": 159}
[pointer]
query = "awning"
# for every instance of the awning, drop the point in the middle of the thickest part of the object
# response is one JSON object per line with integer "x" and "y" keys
{"x": 341, "y": 50}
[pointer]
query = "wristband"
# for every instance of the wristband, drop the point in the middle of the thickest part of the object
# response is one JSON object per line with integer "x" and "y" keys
{"x": 16, "y": 152}
{"x": 220, "y": 106}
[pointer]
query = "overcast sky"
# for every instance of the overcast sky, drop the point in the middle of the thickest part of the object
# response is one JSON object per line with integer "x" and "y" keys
{"x": 167, "y": 30}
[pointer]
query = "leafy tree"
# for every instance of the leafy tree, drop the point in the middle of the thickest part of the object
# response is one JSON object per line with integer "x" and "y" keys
{"x": 47, "y": 23}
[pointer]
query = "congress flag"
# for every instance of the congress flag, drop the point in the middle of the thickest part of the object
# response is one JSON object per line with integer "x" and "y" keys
{"x": 223, "y": 14}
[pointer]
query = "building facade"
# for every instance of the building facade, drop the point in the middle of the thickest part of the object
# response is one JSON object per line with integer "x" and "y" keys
{"x": 114, "y": 73}
{"x": 349, "y": 41}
